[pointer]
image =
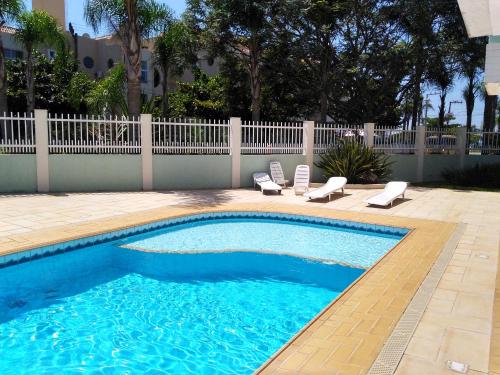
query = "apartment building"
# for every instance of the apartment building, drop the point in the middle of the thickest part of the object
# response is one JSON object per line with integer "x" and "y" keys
{"x": 97, "y": 55}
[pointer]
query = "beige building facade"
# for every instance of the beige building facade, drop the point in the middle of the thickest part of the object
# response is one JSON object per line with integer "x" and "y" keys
{"x": 96, "y": 56}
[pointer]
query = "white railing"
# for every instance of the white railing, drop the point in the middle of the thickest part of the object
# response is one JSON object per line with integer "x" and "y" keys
{"x": 76, "y": 134}
{"x": 17, "y": 133}
{"x": 262, "y": 137}
{"x": 394, "y": 141}
{"x": 191, "y": 136}
{"x": 328, "y": 135}
{"x": 483, "y": 143}
{"x": 440, "y": 141}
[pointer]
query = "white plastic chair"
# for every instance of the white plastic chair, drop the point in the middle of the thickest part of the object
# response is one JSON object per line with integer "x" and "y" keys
{"x": 332, "y": 185}
{"x": 392, "y": 191}
{"x": 277, "y": 173}
{"x": 301, "y": 179}
{"x": 264, "y": 182}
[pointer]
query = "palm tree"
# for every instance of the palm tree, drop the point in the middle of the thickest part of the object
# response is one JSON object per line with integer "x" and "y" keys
{"x": 131, "y": 21}
{"x": 174, "y": 51}
{"x": 9, "y": 9}
{"x": 36, "y": 28}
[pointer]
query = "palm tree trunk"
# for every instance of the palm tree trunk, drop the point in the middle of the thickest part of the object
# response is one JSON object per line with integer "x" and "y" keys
{"x": 417, "y": 89}
{"x": 3, "y": 80}
{"x": 442, "y": 108}
{"x": 255, "y": 88}
{"x": 164, "y": 98}
{"x": 133, "y": 55}
{"x": 469, "y": 102}
{"x": 30, "y": 81}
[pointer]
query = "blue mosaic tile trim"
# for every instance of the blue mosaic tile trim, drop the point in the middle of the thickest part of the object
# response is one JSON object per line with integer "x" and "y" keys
{"x": 62, "y": 247}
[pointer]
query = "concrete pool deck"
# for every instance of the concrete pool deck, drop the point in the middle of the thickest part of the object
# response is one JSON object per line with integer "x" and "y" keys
{"x": 457, "y": 324}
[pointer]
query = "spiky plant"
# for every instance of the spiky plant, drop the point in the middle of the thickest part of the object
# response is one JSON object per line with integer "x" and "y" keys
{"x": 356, "y": 162}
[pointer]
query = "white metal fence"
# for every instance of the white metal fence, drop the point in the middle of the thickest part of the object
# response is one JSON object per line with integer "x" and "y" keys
{"x": 483, "y": 143}
{"x": 394, "y": 141}
{"x": 17, "y": 133}
{"x": 440, "y": 141}
{"x": 328, "y": 135}
{"x": 73, "y": 134}
{"x": 263, "y": 137}
{"x": 191, "y": 136}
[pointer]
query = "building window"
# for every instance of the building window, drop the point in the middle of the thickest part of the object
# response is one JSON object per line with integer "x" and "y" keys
{"x": 111, "y": 63}
{"x": 144, "y": 71}
{"x": 88, "y": 62}
{"x": 12, "y": 54}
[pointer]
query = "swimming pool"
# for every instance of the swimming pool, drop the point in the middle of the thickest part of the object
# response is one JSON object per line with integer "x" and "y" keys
{"x": 182, "y": 305}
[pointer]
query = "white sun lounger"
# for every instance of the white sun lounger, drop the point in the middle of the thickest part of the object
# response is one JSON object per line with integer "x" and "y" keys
{"x": 264, "y": 181}
{"x": 332, "y": 185}
{"x": 301, "y": 179}
{"x": 277, "y": 173}
{"x": 392, "y": 191}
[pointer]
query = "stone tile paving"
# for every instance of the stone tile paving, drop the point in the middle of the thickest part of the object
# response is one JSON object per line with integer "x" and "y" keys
{"x": 458, "y": 323}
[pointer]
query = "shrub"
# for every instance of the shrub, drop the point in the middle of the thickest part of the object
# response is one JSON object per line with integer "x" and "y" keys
{"x": 356, "y": 162}
{"x": 486, "y": 175}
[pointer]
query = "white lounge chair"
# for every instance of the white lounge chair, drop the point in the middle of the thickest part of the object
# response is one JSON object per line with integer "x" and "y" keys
{"x": 277, "y": 173}
{"x": 264, "y": 181}
{"x": 332, "y": 185}
{"x": 392, "y": 191}
{"x": 301, "y": 179}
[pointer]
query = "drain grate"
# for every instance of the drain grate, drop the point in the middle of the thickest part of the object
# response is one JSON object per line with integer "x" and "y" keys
{"x": 395, "y": 346}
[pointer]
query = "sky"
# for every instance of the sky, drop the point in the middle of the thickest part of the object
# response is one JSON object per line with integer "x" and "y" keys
{"x": 74, "y": 14}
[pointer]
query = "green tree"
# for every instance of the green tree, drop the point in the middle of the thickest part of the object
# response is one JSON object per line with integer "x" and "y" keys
{"x": 36, "y": 28}
{"x": 51, "y": 77}
{"x": 174, "y": 51}
{"x": 240, "y": 29}
{"x": 9, "y": 10}
{"x": 418, "y": 21}
{"x": 131, "y": 21}
{"x": 202, "y": 98}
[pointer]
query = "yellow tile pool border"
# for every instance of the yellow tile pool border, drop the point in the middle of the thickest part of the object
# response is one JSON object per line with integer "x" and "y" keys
{"x": 346, "y": 337}
{"x": 494, "y": 365}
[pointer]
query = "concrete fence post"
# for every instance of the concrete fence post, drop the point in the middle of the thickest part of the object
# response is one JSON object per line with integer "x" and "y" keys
{"x": 308, "y": 143}
{"x": 42, "y": 150}
{"x": 461, "y": 145}
{"x": 369, "y": 129}
{"x": 235, "y": 124}
{"x": 420, "y": 152}
{"x": 147, "y": 151}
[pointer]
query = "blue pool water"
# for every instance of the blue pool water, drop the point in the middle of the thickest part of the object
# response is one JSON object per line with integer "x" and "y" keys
{"x": 353, "y": 247}
{"x": 107, "y": 309}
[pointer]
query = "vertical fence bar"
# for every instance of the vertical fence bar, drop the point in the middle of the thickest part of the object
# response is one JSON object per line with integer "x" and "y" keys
{"x": 308, "y": 142}
{"x": 42, "y": 150}
{"x": 235, "y": 147}
{"x": 146, "y": 121}
{"x": 420, "y": 151}
{"x": 369, "y": 134}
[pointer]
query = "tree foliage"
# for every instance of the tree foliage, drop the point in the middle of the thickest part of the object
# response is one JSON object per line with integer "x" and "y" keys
{"x": 202, "y": 98}
{"x": 131, "y": 21}
{"x": 34, "y": 29}
{"x": 51, "y": 79}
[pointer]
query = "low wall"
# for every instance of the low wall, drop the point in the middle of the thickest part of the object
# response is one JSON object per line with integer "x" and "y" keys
{"x": 260, "y": 163}
{"x": 95, "y": 172}
{"x": 404, "y": 167}
{"x": 434, "y": 165}
{"x": 472, "y": 160}
{"x": 17, "y": 173}
{"x": 110, "y": 172}
{"x": 172, "y": 172}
